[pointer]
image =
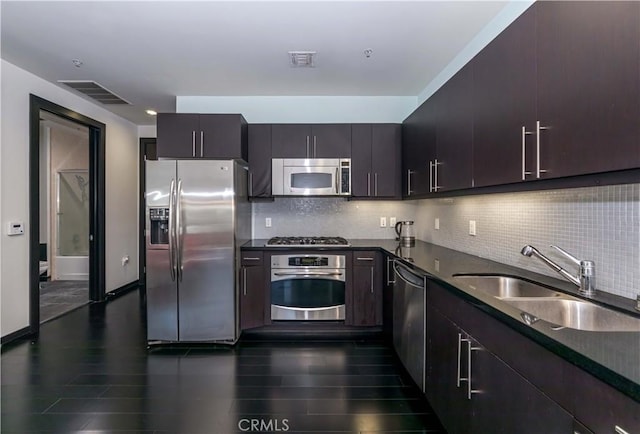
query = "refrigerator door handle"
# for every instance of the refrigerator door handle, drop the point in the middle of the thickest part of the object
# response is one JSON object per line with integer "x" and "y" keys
{"x": 178, "y": 230}
{"x": 172, "y": 259}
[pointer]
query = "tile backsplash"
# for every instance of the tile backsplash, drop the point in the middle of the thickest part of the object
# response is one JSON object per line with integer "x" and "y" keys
{"x": 597, "y": 223}
{"x": 330, "y": 216}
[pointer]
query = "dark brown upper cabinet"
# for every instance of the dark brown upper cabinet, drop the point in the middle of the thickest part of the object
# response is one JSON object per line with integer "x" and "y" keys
{"x": 311, "y": 141}
{"x": 504, "y": 105}
{"x": 260, "y": 160}
{"x": 451, "y": 169}
{"x": 557, "y": 94}
{"x": 438, "y": 140}
{"x": 588, "y": 67}
{"x": 188, "y": 135}
{"x": 418, "y": 149}
{"x": 375, "y": 162}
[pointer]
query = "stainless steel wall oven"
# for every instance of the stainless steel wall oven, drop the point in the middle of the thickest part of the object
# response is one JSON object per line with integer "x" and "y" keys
{"x": 308, "y": 287}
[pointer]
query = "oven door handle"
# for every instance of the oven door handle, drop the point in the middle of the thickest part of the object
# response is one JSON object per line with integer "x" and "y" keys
{"x": 312, "y": 273}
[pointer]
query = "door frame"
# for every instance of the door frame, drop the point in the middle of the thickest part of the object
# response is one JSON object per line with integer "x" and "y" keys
{"x": 97, "y": 139}
{"x": 147, "y": 151}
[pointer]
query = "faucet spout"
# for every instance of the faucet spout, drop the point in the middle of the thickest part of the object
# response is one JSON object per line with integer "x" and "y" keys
{"x": 532, "y": 251}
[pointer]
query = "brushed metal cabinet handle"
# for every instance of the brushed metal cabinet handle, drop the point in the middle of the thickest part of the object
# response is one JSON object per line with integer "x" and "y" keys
{"x": 524, "y": 152}
{"x": 372, "y": 280}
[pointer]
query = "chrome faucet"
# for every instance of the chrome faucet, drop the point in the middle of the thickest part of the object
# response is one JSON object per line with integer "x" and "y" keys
{"x": 586, "y": 279}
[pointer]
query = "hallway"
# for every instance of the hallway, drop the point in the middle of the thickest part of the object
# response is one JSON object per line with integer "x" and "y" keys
{"x": 90, "y": 372}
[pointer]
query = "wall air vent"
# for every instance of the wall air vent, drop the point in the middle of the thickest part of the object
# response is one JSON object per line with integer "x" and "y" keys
{"x": 302, "y": 59}
{"x": 95, "y": 91}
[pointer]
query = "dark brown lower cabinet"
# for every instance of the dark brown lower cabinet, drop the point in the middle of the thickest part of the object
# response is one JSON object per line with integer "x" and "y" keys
{"x": 253, "y": 284}
{"x": 367, "y": 288}
{"x": 473, "y": 391}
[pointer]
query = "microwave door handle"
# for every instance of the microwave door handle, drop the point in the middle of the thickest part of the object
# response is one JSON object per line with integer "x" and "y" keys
{"x": 337, "y": 180}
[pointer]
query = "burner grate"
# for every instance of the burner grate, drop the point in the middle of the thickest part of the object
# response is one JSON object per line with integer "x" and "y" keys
{"x": 306, "y": 241}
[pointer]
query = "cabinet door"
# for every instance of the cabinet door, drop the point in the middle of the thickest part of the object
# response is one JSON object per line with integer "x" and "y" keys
{"x": 504, "y": 402}
{"x": 260, "y": 160}
{"x": 177, "y": 135}
{"x": 504, "y": 101}
{"x": 361, "y": 182}
{"x": 252, "y": 290}
{"x": 600, "y": 407}
{"x": 454, "y": 132}
{"x": 418, "y": 148}
{"x": 291, "y": 141}
{"x": 367, "y": 289}
{"x": 588, "y": 86}
{"x": 331, "y": 140}
{"x": 444, "y": 366}
{"x": 385, "y": 159}
{"x": 222, "y": 136}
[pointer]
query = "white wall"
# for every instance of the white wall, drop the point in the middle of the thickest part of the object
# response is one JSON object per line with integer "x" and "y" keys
{"x": 304, "y": 109}
{"x": 121, "y": 189}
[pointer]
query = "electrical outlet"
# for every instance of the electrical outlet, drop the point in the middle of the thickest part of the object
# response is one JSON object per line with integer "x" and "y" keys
{"x": 436, "y": 224}
{"x": 472, "y": 227}
{"x": 267, "y": 222}
{"x": 392, "y": 222}
{"x": 383, "y": 222}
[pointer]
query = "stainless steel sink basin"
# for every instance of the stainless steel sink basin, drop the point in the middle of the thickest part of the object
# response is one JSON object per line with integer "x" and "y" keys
{"x": 506, "y": 287}
{"x": 539, "y": 303}
{"x": 576, "y": 314}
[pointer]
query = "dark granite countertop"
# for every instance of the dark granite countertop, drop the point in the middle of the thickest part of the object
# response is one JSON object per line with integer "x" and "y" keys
{"x": 613, "y": 357}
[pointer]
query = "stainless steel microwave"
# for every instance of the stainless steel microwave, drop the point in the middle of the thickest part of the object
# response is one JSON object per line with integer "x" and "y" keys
{"x": 311, "y": 176}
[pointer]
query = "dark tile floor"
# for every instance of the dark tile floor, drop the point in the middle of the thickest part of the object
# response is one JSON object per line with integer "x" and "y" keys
{"x": 90, "y": 372}
{"x": 61, "y": 296}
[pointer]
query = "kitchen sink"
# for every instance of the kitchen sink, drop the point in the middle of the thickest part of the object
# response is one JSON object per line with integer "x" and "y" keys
{"x": 505, "y": 287}
{"x": 576, "y": 314}
{"x": 539, "y": 303}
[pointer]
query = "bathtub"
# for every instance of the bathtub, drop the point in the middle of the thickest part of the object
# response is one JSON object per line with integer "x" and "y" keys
{"x": 71, "y": 268}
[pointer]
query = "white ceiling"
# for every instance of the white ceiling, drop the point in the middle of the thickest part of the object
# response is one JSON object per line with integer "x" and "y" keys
{"x": 149, "y": 52}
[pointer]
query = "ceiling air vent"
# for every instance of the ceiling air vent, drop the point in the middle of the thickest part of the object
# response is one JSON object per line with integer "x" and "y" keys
{"x": 95, "y": 91}
{"x": 301, "y": 59}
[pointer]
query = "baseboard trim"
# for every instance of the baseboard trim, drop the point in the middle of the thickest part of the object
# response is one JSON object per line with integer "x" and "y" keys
{"x": 132, "y": 286}
{"x": 23, "y": 333}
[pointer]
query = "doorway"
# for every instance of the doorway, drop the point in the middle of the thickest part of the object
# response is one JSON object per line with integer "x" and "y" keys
{"x": 64, "y": 215}
{"x": 66, "y": 221}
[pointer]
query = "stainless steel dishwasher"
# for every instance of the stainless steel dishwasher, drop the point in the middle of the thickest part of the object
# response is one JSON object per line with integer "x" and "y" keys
{"x": 409, "y": 320}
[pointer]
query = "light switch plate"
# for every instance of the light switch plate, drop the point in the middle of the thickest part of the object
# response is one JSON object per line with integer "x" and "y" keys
{"x": 472, "y": 227}
{"x": 383, "y": 222}
{"x": 267, "y": 222}
{"x": 437, "y": 224}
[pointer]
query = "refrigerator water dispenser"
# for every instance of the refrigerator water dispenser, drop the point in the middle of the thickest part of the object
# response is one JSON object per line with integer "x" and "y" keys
{"x": 159, "y": 225}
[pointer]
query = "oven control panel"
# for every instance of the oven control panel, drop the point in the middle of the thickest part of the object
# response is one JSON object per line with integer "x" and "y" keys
{"x": 302, "y": 261}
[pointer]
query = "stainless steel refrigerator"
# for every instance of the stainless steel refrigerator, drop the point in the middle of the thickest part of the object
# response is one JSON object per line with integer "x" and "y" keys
{"x": 197, "y": 217}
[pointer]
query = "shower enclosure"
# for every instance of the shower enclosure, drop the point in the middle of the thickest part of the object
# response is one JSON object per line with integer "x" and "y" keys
{"x": 72, "y": 226}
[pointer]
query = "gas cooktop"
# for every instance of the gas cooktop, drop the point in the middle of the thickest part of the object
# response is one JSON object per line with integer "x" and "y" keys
{"x": 307, "y": 242}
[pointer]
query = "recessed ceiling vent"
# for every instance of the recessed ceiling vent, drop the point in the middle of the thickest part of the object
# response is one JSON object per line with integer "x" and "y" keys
{"x": 95, "y": 91}
{"x": 302, "y": 59}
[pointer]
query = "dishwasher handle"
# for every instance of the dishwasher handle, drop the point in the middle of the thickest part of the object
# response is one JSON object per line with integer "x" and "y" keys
{"x": 408, "y": 276}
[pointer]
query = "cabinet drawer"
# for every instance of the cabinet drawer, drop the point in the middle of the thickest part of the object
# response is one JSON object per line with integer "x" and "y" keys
{"x": 364, "y": 258}
{"x": 251, "y": 259}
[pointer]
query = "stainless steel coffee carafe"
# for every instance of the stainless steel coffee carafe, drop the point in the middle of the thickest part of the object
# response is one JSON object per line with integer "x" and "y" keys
{"x": 406, "y": 233}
